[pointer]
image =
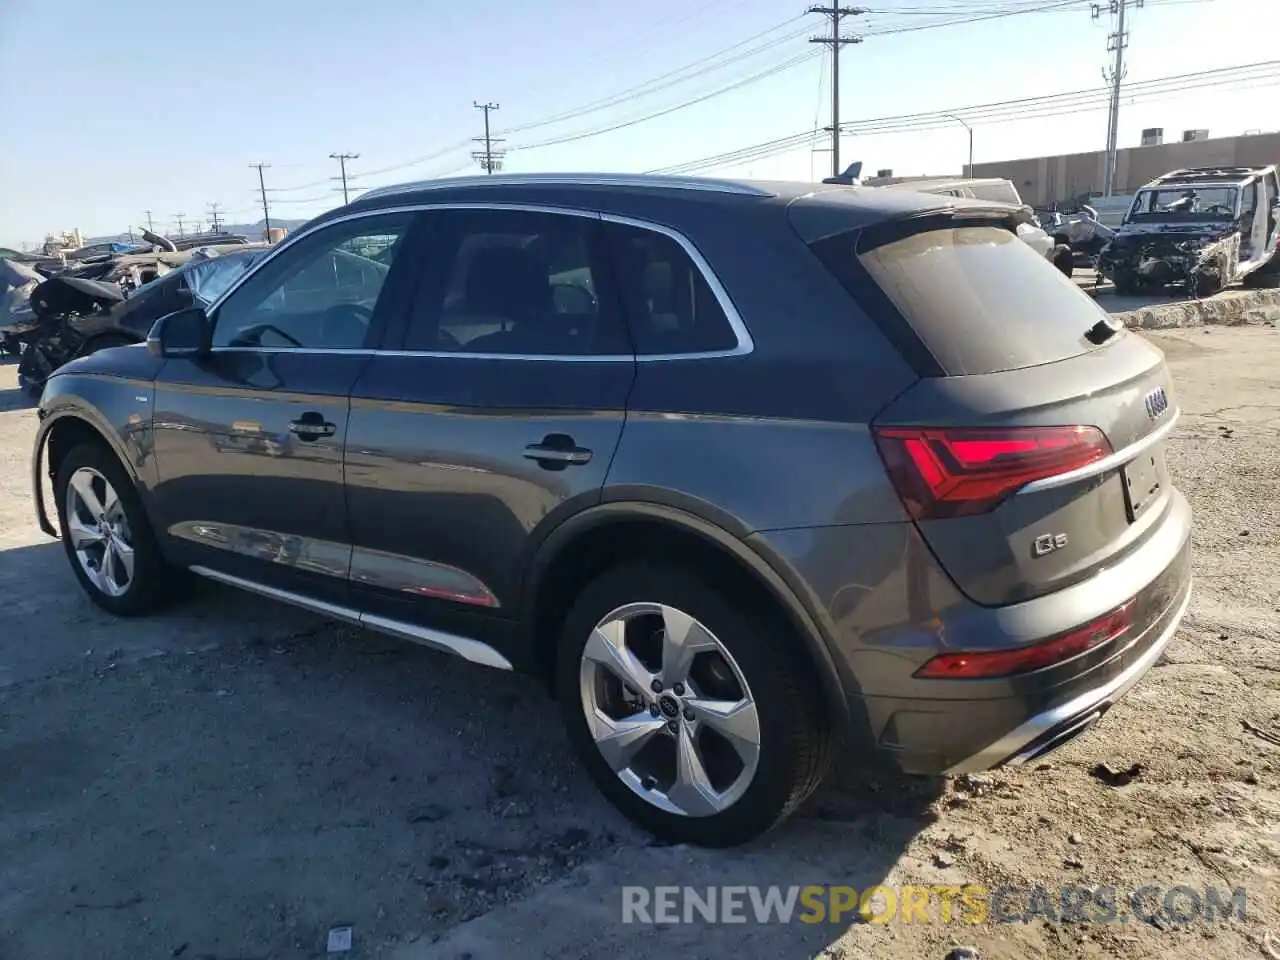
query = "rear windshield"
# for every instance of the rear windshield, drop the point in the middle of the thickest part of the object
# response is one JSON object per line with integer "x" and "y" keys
{"x": 981, "y": 300}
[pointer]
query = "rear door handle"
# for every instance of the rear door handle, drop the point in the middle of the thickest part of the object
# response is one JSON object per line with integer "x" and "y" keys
{"x": 557, "y": 451}
{"x": 311, "y": 426}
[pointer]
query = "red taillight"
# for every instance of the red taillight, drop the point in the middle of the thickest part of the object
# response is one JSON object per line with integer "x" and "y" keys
{"x": 954, "y": 472}
{"x": 980, "y": 664}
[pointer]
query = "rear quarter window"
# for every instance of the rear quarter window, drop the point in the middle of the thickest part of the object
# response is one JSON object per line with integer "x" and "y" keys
{"x": 981, "y": 300}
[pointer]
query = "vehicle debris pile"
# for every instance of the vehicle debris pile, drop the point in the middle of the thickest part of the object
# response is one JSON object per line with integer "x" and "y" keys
{"x": 110, "y": 301}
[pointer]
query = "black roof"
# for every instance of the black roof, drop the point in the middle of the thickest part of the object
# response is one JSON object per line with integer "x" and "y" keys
{"x": 646, "y": 196}
{"x": 1209, "y": 175}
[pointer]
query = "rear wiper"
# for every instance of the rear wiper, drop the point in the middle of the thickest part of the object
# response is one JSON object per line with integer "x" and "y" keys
{"x": 1103, "y": 330}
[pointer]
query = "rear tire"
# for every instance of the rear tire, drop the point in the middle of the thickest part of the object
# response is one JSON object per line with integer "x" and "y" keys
{"x": 1126, "y": 282}
{"x": 106, "y": 533}
{"x": 745, "y": 666}
{"x": 1064, "y": 259}
{"x": 1263, "y": 279}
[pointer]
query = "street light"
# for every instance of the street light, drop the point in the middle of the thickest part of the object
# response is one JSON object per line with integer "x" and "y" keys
{"x": 970, "y": 129}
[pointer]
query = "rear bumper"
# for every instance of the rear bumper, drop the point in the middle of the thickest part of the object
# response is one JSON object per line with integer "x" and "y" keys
{"x": 1056, "y": 725}
{"x": 945, "y": 736}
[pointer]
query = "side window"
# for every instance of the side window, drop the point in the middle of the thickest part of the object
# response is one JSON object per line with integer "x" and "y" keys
{"x": 671, "y": 306}
{"x": 1248, "y": 199}
{"x": 513, "y": 282}
{"x": 320, "y": 293}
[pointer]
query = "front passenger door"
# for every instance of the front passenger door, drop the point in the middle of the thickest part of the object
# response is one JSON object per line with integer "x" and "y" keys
{"x": 249, "y": 439}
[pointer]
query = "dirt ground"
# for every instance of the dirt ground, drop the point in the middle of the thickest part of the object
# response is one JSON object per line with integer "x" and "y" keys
{"x": 233, "y": 779}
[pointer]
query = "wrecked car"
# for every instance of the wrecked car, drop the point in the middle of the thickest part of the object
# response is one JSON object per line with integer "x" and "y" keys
{"x": 1201, "y": 228}
{"x": 79, "y": 316}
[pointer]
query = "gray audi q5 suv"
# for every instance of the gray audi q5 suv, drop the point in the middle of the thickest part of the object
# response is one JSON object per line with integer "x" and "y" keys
{"x": 748, "y": 472}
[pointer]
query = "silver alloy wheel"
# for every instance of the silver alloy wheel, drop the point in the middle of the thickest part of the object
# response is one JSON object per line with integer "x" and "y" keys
{"x": 669, "y": 709}
{"x": 99, "y": 531}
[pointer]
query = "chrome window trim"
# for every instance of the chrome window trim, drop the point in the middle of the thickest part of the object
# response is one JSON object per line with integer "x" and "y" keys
{"x": 745, "y": 343}
{"x": 711, "y": 185}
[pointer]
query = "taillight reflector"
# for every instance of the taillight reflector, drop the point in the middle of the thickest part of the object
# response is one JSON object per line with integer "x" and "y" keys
{"x": 980, "y": 664}
{"x": 954, "y": 472}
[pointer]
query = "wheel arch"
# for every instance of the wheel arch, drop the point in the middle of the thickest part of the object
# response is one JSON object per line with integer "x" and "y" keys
{"x": 583, "y": 546}
{"x": 59, "y": 433}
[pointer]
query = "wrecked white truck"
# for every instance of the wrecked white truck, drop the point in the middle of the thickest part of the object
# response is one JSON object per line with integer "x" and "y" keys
{"x": 1200, "y": 228}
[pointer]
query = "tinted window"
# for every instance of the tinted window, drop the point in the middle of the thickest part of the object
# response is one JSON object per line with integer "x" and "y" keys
{"x": 981, "y": 300}
{"x": 671, "y": 306}
{"x": 321, "y": 292}
{"x": 516, "y": 283}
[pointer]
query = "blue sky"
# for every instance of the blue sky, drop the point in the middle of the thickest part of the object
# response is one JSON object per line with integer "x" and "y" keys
{"x": 133, "y": 105}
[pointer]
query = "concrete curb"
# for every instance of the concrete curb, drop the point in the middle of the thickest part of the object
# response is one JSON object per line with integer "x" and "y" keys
{"x": 1232, "y": 308}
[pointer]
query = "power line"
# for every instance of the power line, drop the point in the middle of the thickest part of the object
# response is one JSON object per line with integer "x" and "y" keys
{"x": 151, "y": 227}
{"x": 490, "y": 159}
{"x": 214, "y": 217}
{"x": 836, "y": 41}
{"x": 1024, "y": 108}
{"x": 622, "y": 125}
{"x": 688, "y": 72}
{"x": 342, "y": 159}
{"x": 672, "y": 77}
{"x": 266, "y": 211}
{"x": 178, "y": 217}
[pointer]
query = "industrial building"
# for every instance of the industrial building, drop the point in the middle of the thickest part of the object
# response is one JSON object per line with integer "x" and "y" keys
{"x": 1043, "y": 181}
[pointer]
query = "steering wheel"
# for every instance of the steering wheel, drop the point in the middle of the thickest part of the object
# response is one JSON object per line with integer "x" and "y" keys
{"x": 252, "y": 336}
{"x": 344, "y": 325}
{"x": 357, "y": 310}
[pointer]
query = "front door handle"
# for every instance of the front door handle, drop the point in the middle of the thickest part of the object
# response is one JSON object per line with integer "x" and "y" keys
{"x": 557, "y": 451}
{"x": 311, "y": 426}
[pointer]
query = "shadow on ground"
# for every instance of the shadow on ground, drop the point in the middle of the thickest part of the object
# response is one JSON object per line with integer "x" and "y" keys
{"x": 233, "y": 778}
{"x": 15, "y": 399}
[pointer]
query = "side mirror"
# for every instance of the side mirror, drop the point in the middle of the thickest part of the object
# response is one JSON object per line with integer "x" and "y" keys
{"x": 182, "y": 334}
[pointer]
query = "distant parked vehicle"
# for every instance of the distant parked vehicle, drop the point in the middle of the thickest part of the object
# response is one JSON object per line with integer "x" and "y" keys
{"x": 751, "y": 475}
{"x": 998, "y": 190}
{"x": 1201, "y": 228}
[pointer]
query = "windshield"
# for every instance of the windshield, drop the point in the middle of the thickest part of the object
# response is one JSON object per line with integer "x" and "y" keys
{"x": 1185, "y": 203}
{"x": 208, "y": 279}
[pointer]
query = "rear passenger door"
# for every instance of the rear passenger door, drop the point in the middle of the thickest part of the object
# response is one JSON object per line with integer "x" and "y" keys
{"x": 495, "y": 410}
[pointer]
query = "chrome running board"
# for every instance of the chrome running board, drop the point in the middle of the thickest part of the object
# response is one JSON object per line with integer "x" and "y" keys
{"x": 464, "y": 647}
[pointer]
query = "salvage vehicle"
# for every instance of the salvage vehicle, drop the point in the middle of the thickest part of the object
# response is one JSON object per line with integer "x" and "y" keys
{"x": 1201, "y": 228}
{"x": 750, "y": 474}
{"x": 76, "y": 317}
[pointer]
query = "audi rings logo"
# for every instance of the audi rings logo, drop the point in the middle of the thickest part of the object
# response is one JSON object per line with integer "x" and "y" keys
{"x": 1157, "y": 402}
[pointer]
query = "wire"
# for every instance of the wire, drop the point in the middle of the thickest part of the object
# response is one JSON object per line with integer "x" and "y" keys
{"x": 1058, "y": 104}
{"x": 655, "y": 84}
{"x": 753, "y": 78}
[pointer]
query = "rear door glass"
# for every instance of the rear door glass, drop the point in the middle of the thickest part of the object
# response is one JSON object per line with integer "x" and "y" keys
{"x": 981, "y": 300}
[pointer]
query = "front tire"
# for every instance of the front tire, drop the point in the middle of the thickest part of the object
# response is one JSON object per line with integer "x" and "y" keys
{"x": 691, "y": 711}
{"x": 106, "y": 533}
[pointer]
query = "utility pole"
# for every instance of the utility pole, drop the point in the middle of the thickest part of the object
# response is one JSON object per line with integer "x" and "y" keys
{"x": 490, "y": 159}
{"x": 835, "y": 42}
{"x": 342, "y": 159}
{"x": 178, "y": 217}
{"x": 969, "y": 171}
{"x": 215, "y": 219}
{"x": 1117, "y": 41}
{"x": 266, "y": 212}
{"x": 151, "y": 227}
